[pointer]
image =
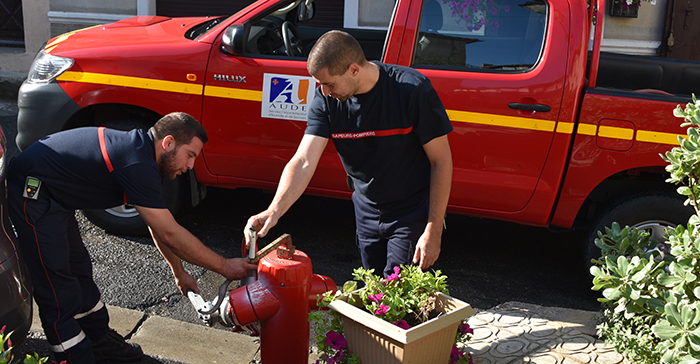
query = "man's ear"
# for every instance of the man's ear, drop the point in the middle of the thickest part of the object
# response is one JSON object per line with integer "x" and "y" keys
{"x": 354, "y": 69}
{"x": 168, "y": 143}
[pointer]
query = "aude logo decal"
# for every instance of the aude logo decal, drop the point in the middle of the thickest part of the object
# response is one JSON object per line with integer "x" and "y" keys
{"x": 287, "y": 96}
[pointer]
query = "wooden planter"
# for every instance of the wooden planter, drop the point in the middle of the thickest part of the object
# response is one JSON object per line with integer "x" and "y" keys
{"x": 376, "y": 341}
{"x": 619, "y": 10}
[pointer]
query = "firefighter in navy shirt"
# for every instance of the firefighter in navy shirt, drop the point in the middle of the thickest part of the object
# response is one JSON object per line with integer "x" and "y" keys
{"x": 96, "y": 168}
{"x": 390, "y": 130}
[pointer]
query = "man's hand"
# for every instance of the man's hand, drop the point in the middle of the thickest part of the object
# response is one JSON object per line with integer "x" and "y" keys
{"x": 427, "y": 249}
{"x": 237, "y": 268}
{"x": 186, "y": 282}
{"x": 262, "y": 223}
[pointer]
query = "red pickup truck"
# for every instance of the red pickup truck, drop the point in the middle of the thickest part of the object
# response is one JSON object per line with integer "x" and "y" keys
{"x": 548, "y": 131}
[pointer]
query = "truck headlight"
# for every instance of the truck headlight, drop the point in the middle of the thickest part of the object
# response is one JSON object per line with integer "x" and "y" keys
{"x": 47, "y": 67}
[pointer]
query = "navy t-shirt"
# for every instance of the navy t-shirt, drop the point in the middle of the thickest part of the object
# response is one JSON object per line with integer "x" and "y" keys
{"x": 380, "y": 135}
{"x": 73, "y": 171}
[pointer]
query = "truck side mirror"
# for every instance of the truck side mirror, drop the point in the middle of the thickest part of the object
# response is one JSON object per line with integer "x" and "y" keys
{"x": 233, "y": 40}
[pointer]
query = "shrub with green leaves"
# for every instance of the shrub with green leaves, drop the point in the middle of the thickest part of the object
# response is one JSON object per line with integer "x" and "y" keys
{"x": 651, "y": 305}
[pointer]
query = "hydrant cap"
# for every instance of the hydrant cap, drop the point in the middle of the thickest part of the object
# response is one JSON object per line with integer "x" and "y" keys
{"x": 295, "y": 271}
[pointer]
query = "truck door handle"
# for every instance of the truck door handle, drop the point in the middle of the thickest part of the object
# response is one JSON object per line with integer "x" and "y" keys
{"x": 538, "y": 107}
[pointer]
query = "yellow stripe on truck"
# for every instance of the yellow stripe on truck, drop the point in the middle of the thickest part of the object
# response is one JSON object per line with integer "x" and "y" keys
{"x": 648, "y": 136}
{"x": 500, "y": 120}
{"x": 233, "y": 93}
{"x": 135, "y": 82}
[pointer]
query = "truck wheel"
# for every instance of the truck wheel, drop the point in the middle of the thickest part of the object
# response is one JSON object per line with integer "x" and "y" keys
{"x": 652, "y": 211}
{"x": 125, "y": 220}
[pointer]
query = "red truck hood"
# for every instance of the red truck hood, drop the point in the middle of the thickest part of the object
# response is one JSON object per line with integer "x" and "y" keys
{"x": 141, "y": 30}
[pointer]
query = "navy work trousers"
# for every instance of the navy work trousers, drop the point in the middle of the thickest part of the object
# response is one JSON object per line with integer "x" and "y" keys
{"x": 387, "y": 238}
{"x": 70, "y": 306}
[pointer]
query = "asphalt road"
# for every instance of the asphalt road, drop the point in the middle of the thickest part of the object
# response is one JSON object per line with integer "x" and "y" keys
{"x": 487, "y": 262}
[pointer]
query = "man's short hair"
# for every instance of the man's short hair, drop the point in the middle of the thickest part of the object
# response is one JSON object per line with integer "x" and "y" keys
{"x": 335, "y": 50}
{"x": 182, "y": 126}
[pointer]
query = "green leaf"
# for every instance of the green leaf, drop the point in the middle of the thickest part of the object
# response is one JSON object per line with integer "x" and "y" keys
{"x": 349, "y": 286}
{"x": 665, "y": 331}
{"x": 623, "y": 265}
{"x": 694, "y": 342}
{"x": 612, "y": 293}
{"x": 668, "y": 281}
{"x": 672, "y": 314}
{"x": 689, "y": 360}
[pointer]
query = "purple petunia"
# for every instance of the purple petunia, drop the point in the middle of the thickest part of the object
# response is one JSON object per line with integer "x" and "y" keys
{"x": 456, "y": 354}
{"x": 376, "y": 297}
{"x": 337, "y": 358}
{"x": 381, "y": 311}
{"x": 335, "y": 340}
{"x": 465, "y": 329}
{"x": 395, "y": 276}
{"x": 402, "y": 324}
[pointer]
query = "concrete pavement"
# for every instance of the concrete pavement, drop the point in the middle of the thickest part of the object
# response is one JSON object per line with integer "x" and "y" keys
{"x": 513, "y": 332}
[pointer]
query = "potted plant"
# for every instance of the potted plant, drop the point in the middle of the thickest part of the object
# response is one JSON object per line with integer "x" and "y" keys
{"x": 408, "y": 317}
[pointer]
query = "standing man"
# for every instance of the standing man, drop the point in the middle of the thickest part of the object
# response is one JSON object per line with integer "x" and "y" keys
{"x": 390, "y": 130}
{"x": 95, "y": 168}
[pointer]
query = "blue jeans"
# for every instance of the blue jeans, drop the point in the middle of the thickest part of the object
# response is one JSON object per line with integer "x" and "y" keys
{"x": 387, "y": 237}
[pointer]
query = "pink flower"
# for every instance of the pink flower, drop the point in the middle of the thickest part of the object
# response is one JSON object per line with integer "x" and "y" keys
{"x": 337, "y": 358}
{"x": 506, "y": 8}
{"x": 465, "y": 329}
{"x": 335, "y": 340}
{"x": 456, "y": 355}
{"x": 395, "y": 276}
{"x": 376, "y": 297}
{"x": 3, "y": 329}
{"x": 494, "y": 11}
{"x": 381, "y": 311}
{"x": 402, "y": 324}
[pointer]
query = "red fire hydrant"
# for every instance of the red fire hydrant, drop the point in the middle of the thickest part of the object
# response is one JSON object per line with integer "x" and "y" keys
{"x": 279, "y": 302}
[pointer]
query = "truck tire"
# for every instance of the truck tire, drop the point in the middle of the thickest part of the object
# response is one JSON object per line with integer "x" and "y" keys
{"x": 125, "y": 220}
{"x": 652, "y": 211}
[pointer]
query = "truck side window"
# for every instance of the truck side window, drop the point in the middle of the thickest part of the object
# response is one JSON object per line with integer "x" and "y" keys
{"x": 489, "y": 35}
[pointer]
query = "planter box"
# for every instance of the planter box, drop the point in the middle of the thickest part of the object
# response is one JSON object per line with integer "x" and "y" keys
{"x": 376, "y": 341}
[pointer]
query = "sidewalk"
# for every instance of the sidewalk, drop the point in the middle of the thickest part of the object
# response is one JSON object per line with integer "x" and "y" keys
{"x": 513, "y": 332}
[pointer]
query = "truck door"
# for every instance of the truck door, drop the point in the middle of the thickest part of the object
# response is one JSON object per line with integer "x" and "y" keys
{"x": 255, "y": 101}
{"x": 499, "y": 67}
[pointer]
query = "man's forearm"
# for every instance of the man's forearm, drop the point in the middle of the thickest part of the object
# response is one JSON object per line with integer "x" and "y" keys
{"x": 171, "y": 258}
{"x": 440, "y": 185}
